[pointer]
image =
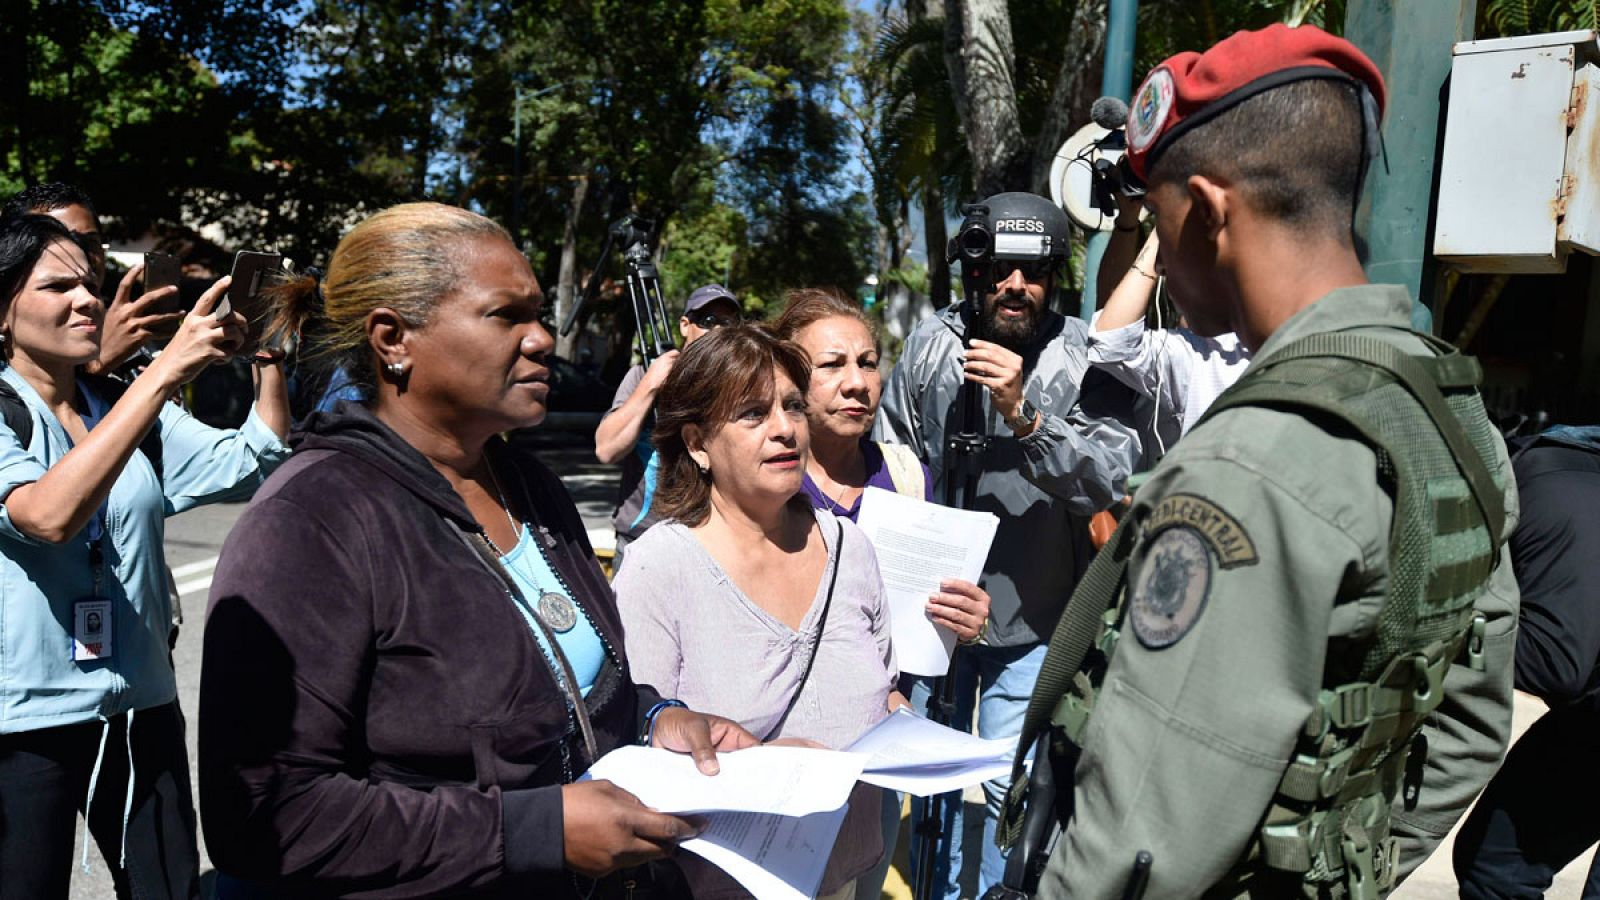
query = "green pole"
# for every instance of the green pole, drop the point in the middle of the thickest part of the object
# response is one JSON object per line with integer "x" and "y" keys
{"x": 1116, "y": 80}
{"x": 1410, "y": 43}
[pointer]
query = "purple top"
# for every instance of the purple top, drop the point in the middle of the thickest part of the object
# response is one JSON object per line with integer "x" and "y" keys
{"x": 877, "y": 476}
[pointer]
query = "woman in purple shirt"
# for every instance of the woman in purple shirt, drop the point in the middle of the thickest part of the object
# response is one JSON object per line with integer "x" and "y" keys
{"x": 841, "y": 403}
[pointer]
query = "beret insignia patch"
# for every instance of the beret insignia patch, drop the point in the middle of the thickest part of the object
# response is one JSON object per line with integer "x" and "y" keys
{"x": 1172, "y": 588}
{"x": 1149, "y": 111}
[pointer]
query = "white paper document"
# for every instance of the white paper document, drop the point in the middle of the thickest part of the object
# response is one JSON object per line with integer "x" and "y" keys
{"x": 784, "y": 781}
{"x": 919, "y": 544}
{"x": 906, "y": 752}
{"x": 773, "y": 812}
{"x": 773, "y": 857}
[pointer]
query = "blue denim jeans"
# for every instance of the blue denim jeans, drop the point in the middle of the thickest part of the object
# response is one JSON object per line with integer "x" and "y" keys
{"x": 1000, "y": 679}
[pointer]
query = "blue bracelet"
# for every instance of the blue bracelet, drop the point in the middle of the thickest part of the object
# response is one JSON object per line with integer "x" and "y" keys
{"x": 649, "y": 736}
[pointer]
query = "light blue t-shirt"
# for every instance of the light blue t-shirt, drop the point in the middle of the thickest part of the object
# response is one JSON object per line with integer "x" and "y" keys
{"x": 534, "y": 576}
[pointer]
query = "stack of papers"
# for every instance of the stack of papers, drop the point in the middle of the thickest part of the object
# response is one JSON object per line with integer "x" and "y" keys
{"x": 918, "y": 545}
{"x": 774, "y": 813}
{"x": 906, "y": 752}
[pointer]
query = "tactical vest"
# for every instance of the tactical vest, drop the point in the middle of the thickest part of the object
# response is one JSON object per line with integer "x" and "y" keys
{"x": 1329, "y": 821}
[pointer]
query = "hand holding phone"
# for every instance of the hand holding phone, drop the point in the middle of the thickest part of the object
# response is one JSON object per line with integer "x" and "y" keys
{"x": 251, "y": 272}
{"x": 161, "y": 270}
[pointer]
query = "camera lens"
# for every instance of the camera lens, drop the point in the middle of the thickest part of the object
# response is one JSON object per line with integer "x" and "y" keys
{"x": 976, "y": 241}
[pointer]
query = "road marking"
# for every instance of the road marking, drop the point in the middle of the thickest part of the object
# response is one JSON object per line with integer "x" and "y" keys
{"x": 186, "y": 588}
{"x": 194, "y": 568}
{"x": 602, "y": 538}
{"x": 201, "y": 568}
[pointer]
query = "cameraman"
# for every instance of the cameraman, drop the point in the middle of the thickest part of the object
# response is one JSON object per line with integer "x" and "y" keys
{"x": 623, "y": 436}
{"x": 1054, "y": 457}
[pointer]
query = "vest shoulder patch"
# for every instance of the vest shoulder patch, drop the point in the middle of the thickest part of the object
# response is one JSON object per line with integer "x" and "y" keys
{"x": 1221, "y": 532}
{"x": 1171, "y": 590}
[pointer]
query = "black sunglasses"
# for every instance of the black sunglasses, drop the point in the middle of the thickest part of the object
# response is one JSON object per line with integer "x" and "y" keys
{"x": 709, "y": 320}
{"x": 1035, "y": 270}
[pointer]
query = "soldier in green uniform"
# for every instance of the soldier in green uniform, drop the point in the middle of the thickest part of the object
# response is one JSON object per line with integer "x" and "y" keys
{"x": 1316, "y": 562}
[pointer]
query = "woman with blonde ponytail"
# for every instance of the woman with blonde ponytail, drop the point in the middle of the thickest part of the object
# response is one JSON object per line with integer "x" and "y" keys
{"x": 411, "y": 652}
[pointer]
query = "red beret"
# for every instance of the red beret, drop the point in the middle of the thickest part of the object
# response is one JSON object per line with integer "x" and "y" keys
{"x": 1191, "y": 88}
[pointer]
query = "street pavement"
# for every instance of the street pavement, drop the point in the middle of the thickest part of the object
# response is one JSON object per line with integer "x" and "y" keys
{"x": 195, "y": 538}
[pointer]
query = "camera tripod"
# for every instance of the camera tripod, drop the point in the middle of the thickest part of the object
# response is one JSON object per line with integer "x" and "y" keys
{"x": 653, "y": 331}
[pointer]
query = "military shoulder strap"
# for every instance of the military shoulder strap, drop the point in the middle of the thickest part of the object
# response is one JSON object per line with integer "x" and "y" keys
{"x": 1421, "y": 377}
{"x": 1069, "y": 647}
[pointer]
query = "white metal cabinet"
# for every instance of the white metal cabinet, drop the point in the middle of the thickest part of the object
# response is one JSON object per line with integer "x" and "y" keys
{"x": 1518, "y": 185}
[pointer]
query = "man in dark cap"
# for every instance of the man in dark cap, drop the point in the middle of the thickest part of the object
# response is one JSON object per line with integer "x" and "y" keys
{"x": 1314, "y": 566}
{"x": 624, "y": 433}
{"x": 1057, "y": 452}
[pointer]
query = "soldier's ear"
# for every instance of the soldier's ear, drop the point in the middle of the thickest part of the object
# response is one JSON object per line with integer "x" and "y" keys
{"x": 1210, "y": 200}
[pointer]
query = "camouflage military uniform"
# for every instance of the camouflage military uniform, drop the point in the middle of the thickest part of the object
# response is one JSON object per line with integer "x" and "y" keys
{"x": 1262, "y": 560}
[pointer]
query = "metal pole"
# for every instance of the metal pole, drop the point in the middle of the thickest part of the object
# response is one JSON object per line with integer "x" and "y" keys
{"x": 1116, "y": 80}
{"x": 516, "y": 168}
{"x": 1411, "y": 44}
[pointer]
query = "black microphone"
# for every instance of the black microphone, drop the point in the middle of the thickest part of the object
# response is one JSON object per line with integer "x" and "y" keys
{"x": 1109, "y": 112}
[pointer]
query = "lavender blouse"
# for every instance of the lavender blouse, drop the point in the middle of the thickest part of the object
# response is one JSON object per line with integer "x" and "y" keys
{"x": 694, "y": 636}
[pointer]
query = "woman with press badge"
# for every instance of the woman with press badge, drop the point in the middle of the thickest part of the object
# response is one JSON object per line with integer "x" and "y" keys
{"x": 89, "y": 470}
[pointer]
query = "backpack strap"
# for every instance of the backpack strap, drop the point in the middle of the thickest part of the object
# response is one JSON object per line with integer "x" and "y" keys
{"x": 1069, "y": 646}
{"x": 905, "y": 469}
{"x": 14, "y": 412}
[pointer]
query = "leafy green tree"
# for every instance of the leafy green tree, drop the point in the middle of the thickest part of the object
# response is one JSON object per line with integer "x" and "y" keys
{"x": 736, "y": 113}
{"x": 135, "y": 102}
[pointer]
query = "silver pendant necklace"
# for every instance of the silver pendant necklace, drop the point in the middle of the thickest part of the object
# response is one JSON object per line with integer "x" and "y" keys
{"x": 555, "y": 610}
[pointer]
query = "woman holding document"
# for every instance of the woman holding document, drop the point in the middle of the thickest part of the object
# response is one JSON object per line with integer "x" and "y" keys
{"x": 746, "y": 598}
{"x": 841, "y": 404}
{"x": 411, "y": 655}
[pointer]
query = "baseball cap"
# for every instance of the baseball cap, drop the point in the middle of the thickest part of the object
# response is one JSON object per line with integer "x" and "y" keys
{"x": 705, "y": 295}
{"x": 1192, "y": 88}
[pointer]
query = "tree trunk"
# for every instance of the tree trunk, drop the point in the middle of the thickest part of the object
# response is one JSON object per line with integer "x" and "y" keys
{"x": 978, "y": 51}
{"x": 567, "y": 281}
{"x": 933, "y": 232}
{"x": 1076, "y": 85}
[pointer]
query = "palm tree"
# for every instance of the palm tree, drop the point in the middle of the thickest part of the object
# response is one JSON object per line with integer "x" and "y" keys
{"x": 1504, "y": 18}
{"x": 919, "y": 135}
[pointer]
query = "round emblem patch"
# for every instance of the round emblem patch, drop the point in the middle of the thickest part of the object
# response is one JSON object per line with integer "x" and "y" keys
{"x": 1172, "y": 587}
{"x": 1149, "y": 111}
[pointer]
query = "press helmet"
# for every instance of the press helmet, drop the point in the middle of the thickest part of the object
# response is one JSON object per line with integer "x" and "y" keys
{"x": 1027, "y": 226}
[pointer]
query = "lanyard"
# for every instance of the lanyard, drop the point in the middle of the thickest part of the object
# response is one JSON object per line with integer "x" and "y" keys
{"x": 97, "y": 559}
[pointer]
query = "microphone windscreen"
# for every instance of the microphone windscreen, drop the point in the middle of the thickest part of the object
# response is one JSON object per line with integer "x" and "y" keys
{"x": 1109, "y": 112}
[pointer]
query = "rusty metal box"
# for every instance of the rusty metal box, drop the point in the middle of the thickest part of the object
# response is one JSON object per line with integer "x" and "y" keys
{"x": 1519, "y": 186}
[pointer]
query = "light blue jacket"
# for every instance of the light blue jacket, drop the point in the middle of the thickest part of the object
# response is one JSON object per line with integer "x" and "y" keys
{"x": 40, "y": 684}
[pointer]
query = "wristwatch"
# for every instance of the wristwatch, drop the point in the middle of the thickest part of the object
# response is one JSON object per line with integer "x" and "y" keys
{"x": 1027, "y": 413}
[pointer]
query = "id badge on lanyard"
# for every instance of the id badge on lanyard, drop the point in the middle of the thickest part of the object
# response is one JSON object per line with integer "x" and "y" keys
{"x": 92, "y": 616}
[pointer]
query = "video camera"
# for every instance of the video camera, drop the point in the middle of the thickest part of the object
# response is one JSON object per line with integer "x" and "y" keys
{"x": 654, "y": 328}
{"x": 1091, "y": 169}
{"x": 1009, "y": 226}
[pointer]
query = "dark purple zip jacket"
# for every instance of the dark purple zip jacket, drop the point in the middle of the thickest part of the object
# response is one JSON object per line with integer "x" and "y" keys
{"x": 376, "y": 718}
